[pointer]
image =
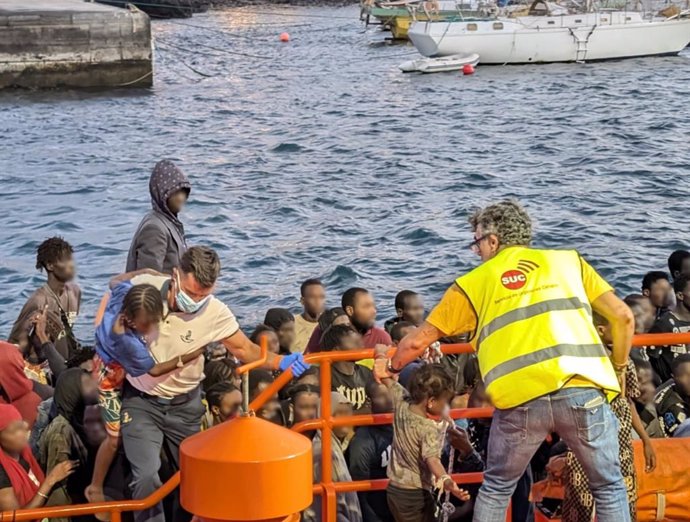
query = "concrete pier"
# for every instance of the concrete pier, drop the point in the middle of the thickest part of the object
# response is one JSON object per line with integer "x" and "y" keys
{"x": 70, "y": 43}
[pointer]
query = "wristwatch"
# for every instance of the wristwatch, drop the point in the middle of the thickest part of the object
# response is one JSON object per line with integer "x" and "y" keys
{"x": 390, "y": 369}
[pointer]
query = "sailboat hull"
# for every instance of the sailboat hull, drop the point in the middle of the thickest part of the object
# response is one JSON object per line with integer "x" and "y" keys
{"x": 547, "y": 39}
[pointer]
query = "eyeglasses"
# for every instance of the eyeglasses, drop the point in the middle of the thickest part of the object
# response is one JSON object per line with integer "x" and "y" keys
{"x": 474, "y": 245}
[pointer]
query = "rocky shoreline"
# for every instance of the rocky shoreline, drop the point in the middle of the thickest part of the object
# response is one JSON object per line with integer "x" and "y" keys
{"x": 161, "y": 9}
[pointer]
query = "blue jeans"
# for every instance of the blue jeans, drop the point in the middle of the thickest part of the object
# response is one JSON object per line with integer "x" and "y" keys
{"x": 584, "y": 420}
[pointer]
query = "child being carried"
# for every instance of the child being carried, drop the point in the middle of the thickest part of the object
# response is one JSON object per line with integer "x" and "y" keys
{"x": 130, "y": 319}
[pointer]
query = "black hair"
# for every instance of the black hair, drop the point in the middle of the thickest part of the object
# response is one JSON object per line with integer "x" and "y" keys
{"x": 277, "y": 317}
{"x": 143, "y": 298}
{"x": 307, "y": 283}
{"x": 634, "y": 299}
{"x": 215, "y": 394}
{"x": 329, "y": 316}
{"x": 220, "y": 370}
{"x": 257, "y": 377}
{"x": 397, "y": 330}
{"x": 303, "y": 388}
{"x": 84, "y": 354}
{"x": 402, "y": 297}
{"x": 681, "y": 359}
{"x": 52, "y": 251}
{"x": 334, "y": 335}
{"x": 312, "y": 370}
{"x": 430, "y": 381}
{"x": 260, "y": 328}
{"x": 203, "y": 263}
{"x": 641, "y": 364}
{"x": 675, "y": 261}
{"x": 680, "y": 283}
{"x": 598, "y": 319}
{"x": 652, "y": 277}
{"x": 470, "y": 373}
{"x": 350, "y": 296}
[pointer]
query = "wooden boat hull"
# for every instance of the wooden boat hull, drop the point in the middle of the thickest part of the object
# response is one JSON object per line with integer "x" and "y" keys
{"x": 399, "y": 20}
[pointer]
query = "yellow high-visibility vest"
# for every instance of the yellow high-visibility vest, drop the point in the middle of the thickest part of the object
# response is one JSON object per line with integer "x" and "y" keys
{"x": 534, "y": 326}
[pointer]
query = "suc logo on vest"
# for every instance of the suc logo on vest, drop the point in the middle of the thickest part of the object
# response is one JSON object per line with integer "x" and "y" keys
{"x": 516, "y": 279}
{"x": 513, "y": 279}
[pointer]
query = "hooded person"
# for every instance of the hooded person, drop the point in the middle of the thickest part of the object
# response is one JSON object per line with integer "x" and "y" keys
{"x": 159, "y": 241}
{"x": 15, "y": 387}
{"x": 65, "y": 438}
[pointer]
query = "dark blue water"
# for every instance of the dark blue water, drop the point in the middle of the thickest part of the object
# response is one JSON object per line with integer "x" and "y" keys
{"x": 318, "y": 158}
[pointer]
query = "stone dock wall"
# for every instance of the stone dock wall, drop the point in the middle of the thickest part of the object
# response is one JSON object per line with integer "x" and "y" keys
{"x": 55, "y": 43}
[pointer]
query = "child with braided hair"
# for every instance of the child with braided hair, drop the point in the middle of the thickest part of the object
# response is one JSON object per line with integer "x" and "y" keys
{"x": 131, "y": 318}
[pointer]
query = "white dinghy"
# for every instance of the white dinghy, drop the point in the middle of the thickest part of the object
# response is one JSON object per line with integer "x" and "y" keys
{"x": 454, "y": 62}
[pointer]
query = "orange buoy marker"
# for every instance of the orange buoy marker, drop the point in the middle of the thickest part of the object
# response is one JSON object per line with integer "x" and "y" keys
{"x": 468, "y": 69}
{"x": 285, "y": 37}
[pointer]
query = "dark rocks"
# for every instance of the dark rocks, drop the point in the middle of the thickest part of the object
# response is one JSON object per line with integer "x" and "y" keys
{"x": 164, "y": 8}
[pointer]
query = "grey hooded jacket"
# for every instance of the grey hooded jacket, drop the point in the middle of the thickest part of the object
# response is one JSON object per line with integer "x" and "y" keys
{"x": 159, "y": 241}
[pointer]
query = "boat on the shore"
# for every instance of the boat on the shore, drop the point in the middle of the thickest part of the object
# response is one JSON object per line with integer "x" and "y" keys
{"x": 398, "y": 16}
{"x": 545, "y": 37}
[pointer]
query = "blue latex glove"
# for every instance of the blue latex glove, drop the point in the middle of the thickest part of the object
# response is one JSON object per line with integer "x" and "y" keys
{"x": 294, "y": 361}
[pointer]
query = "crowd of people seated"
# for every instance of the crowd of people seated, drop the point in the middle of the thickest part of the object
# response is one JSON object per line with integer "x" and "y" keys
{"x": 102, "y": 418}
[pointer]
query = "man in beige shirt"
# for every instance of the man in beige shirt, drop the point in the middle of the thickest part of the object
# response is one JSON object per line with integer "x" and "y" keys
{"x": 313, "y": 299}
{"x": 167, "y": 409}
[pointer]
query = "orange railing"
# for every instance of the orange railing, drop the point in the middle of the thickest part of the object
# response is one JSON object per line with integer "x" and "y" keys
{"x": 327, "y": 488}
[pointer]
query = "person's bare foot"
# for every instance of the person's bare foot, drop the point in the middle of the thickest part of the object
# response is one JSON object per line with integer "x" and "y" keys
{"x": 94, "y": 494}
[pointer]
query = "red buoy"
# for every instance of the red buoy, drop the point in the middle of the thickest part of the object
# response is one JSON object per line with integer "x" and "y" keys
{"x": 468, "y": 69}
{"x": 284, "y": 37}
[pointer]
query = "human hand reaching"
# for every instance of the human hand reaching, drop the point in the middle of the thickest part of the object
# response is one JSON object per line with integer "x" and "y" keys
{"x": 61, "y": 471}
{"x": 451, "y": 487}
{"x": 294, "y": 361}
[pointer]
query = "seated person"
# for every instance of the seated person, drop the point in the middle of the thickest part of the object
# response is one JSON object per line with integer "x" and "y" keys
{"x": 259, "y": 380}
{"x": 224, "y": 402}
{"x": 15, "y": 387}
{"x": 409, "y": 308}
{"x": 347, "y": 377}
{"x": 303, "y": 403}
{"x": 644, "y": 403}
{"x": 672, "y": 399}
{"x": 347, "y": 507}
{"x": 369, "y": 454}
{"x": 65, "y": 438}
{"x": 673, "y": 321}
{"x": 22, "y": 483}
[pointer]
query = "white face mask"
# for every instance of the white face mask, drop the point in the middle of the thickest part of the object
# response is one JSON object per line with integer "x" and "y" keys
{"x": 187, "y": 304}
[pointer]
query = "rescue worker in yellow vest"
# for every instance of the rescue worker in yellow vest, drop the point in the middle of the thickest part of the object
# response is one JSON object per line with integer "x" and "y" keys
{"x": 540, "y": 357}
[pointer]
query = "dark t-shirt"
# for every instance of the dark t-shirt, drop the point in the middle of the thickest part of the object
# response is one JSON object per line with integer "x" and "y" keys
{"x": 671, "y": 408}
{"x": 353, "y": 387}
{"x": 661, "y": 357}
{"x": 5, "y": 480}
{"x": 369, "y": 453}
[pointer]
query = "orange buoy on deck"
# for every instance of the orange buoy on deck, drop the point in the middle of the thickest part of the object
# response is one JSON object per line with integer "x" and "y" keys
{"x": 246, "y": 469}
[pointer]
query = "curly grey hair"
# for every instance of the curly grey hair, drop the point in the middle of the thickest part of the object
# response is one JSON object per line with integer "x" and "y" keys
{"x": 508, "y": 220}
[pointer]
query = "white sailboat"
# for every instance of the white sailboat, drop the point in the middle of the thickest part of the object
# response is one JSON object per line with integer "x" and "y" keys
{"x": 543, "y": 36}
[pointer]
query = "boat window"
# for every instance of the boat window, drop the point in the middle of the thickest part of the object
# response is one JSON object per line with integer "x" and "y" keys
{"x": 578, "y": 20}
{"x": 627, "y": 18}
{"x": 604, "y": 19}
{"x": 498, "y": 26}
{"x": 551, "y": 22}
{"x": 471, "y": 27}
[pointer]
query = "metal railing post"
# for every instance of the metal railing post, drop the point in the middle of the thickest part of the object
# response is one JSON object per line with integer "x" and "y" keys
{"x": 328, "y": 500}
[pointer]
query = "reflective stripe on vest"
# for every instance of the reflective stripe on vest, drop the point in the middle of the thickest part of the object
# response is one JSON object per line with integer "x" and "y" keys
{"x": 560, "y": 350}
{"x": 568, "y": 303}
{"x": 534, "y": 326}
